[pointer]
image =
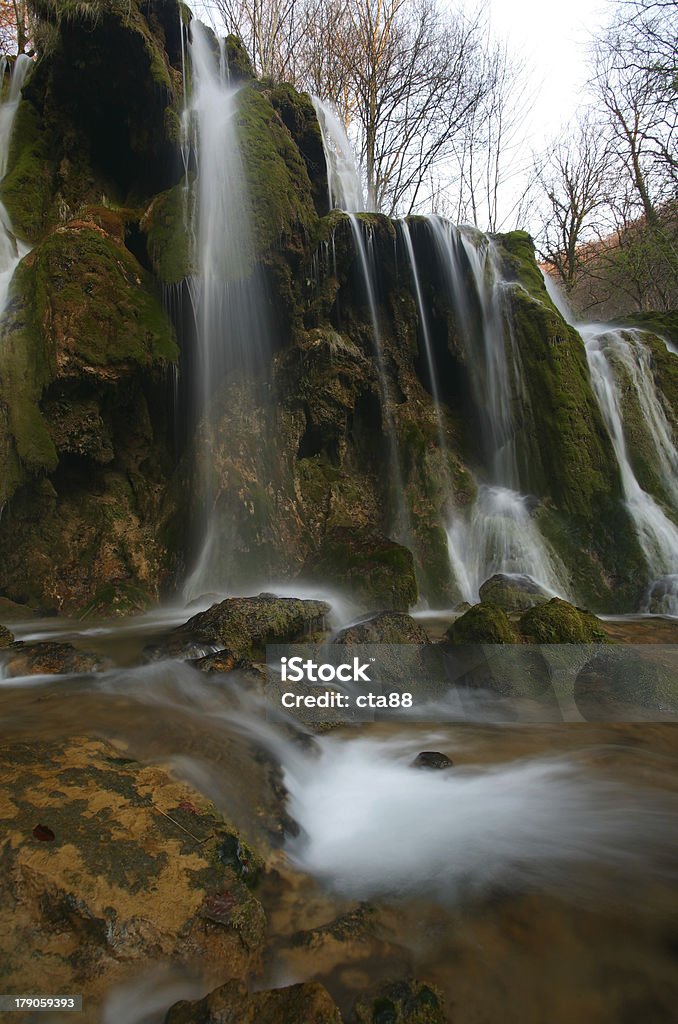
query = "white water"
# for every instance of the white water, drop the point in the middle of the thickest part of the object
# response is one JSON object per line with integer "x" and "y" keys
{"x": 398, "y": 514}
{"x": 371, "y": 825}
{"x": 11, "y": 249}
{"x": 498, "y": 533}
{"x": 228, "y": 296}
{"x": 343, "y": 179}
{"x": 619, "y": 353}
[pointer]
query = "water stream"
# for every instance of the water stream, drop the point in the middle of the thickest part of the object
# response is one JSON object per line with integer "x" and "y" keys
{"x": 12, "y": 250}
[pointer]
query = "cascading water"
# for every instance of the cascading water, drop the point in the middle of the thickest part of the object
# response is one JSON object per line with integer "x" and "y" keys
{"x": 498, "y": 534}
{"x": 343, "y": 180}
{"x": 616, "y": 355}
{"x": 11, "y": 250}
{"x": 227, "y": 292}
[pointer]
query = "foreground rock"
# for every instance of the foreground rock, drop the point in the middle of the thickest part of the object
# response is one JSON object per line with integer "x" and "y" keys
{"x": 432, "y": 760}
{"x": 49, "y": 659}
{"x": 244, "y": 625}
{"x": 372, "y": 570}
{"x": 403, "y": 1002}
{"x": 108, "y": 864}
{"x": 308, "y": 1003}
{"x": 559, "y": 622}
{"x": 6, "y": 637}
{"x": 482, "y": 624}
{"x": 386, "y": 628}
{"x": 513, "y": 593}
{"x": 619, "y": 684}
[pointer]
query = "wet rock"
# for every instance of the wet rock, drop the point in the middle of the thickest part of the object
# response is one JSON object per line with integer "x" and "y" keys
{"x": 222, "y": 661}
{"x": 51, "y": 658}
{"x": 132, "y": 873}
{"x": 513, "y": 593}
{"x": 244, "y": 625}
{"x": 403, "y": 1002}
{"x": 482, "y": 624}
{"x": 627, "y": 685}
{"x": 372, "y": 570}
{"x": 386, "y": 628}
{"x": 10, "y": 611}
{"x": 308, "y": 1003}
{"x": 559, "y": 622}
{"x": 6, "y": 638}
{"x": 432, "y": 759}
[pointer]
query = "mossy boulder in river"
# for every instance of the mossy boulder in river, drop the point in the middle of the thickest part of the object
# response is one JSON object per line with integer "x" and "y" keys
{"x": 483, "y": 624}
{"x": 559, "y": 622}
{"x": 512, "y": 592}
{"x": 367, "y": 567}
{"x": 246, "y": 624}
{"x": 385, "y": 628}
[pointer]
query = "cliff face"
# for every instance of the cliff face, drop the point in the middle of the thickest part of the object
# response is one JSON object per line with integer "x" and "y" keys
{"x": 97, "y": 495}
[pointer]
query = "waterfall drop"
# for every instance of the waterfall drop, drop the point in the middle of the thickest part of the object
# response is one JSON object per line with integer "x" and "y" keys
{"x": 343, "y": 179}
{"x": 11, "y": 249}
{"x": 228, "y": 296}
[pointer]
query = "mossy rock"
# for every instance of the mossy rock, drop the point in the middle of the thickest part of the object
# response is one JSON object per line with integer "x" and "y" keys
{"x": 483, "y": 624}
{"x": 28, "y": 186}
{"x": 403, "y": 1002}
{"x": 6, "y": 637}
{"x": 118, "y": 599}
{"x": 247, "y": 624}
{"x": 385, "y": 628}
{"x": 238, "y": 60}
{"x": 167, "y": 237}
{"x": 280, "y": 190}
{"x": 372, "y": 570}
{"x": 299, "y": 117}
{"x": 513, "y": 593}
{"x": 559, "y": 622}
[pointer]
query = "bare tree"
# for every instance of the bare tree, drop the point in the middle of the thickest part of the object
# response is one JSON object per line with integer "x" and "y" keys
{"x": 574, "y": 181}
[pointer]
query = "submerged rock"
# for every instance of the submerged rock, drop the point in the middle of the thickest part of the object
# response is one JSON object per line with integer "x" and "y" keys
{"x": 513, "y": 593}
{"x": 51, "y": 658}
{"x": 386, "y": 628}
{"x": 307, "y": 1003}
{"x": 132, "y": 873}
{"x": 621, "y": 684}
{"x": 372, "y": 570}
{"x": 483, "y": 624}
{"x": 559, "y": 622}
{"x": 245, "y": 625}
{"x": 432, "y": 759}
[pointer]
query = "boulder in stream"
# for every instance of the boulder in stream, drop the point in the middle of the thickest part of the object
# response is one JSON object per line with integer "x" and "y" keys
{"x": 385, "y": 628}
{"x": 50, "y": 658}
{"x": 6, "y": 637}
{"x": 432, "y": 760}
{"x": 559, "y": 622}
{"x": 512, "y": 592}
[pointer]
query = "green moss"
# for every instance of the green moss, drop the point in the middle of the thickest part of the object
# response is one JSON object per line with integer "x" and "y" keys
{"x": 280, "y": 190}
{"x": 27, "y": 187}
{"x": 558, "y": 622}
{"x": 238, "y": 59}
{"x": 483, "y": 624}
{"x": 374, "y": 571}
{"x": 167, "y": 236}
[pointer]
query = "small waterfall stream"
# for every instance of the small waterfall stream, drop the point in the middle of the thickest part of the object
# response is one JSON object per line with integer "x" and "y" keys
{"x": 11, "y": 249}
{"x": 617, "y": 357}
{"x": 233, "y": 337}
{"x": 498, "y": 534}
{"x": 343, "y": 179}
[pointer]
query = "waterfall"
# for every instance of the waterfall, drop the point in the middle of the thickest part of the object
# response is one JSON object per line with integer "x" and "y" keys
{"x": 401, "y": 520}
{"x": 11, "y": 250}
{"x": 343, "y": 180}
{"x": 233, "y": 337}
{"x": 617, "y": 357}
{"x": 498, "y": 534}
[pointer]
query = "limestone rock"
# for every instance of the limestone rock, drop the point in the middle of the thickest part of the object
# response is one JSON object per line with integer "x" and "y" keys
{"x": 108, "y": 864}
{"x": 559, "y": 622}
{"x": 513, "y": 593}
{"x": 307, "y": 1003}
{"x": 385, "y": 628}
